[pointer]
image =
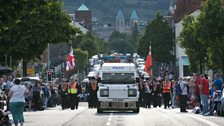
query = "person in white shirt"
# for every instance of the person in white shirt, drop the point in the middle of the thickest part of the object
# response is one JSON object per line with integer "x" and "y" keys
{"x": 17, "y": 102}
{"x": 183, "y": 96}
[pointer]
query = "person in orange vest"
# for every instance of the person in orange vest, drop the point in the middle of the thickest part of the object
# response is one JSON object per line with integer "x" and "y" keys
{"x": 73, "y": 94}
{"x": 166, "y": 90}
{"x": 93, "y": 92}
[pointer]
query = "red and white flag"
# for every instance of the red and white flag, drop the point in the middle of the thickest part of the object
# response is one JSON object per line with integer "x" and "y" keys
{"x": 148, "y": 62}
{"x": 70, "y": 63}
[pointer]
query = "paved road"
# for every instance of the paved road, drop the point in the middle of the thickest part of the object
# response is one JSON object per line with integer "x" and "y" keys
{"x": 147, "y": 117}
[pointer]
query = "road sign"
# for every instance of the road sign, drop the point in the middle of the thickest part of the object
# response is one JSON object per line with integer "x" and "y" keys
{"x": 30, "y": 71}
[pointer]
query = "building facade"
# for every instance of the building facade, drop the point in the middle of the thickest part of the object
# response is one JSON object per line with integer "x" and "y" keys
{"x": 84, "y": 17}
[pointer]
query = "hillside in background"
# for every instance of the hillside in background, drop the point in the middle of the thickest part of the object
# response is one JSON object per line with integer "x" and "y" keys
{"x": 106, "y": 10}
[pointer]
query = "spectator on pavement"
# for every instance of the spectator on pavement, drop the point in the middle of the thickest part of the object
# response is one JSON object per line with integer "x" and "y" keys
{"x": 36, "y": 95}
{"x": 17, "y": 102}
{"x": 183, "y": 96}
{"x": 204, "y": 93}
{"x": 173, "y": 93}
{"x": 218, "y": 81}
{"x": 8, "y": 85}
{"x": 46, "y": 94}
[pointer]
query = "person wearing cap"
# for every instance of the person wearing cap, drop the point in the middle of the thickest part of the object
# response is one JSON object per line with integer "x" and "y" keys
{"x": 166, "y": 85}
{"x": 73, "y": 94}
{"x": 141, "y": 91}
{"x": 64, "y": 95}
{"x": 93, "y": 92}
{"x": 155, "y": 93}
{"x": 147, "y": 93}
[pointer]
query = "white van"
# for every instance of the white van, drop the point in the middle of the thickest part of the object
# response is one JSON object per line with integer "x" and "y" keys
{"x": 118, "y": 88}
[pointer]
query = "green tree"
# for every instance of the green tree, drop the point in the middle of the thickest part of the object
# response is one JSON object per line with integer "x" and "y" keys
{"x": 194, "y": 48}
{"x": 134, "y": 35}
{"x": 210, "y": 28}
{"x": 91, "y": 44}
{"x": 40, "y": 23}
{"x": 88, "y": 45}
{"x": 159, "y": 34}
{"x": 120, "y": 42}
{"x": 81, "y": 58}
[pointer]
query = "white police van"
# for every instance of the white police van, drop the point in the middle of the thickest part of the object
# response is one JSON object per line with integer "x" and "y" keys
{"x": 118, "y": 87}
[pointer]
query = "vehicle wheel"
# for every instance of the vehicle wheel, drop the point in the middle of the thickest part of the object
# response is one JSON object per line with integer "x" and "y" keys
{"x": 136, "y": 110}
{"x": 221, "y": 110}
{"x": 99, "y": 110}
{"x": 218, "y": 109}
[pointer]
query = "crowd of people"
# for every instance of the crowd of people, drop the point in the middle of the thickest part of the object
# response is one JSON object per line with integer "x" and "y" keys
{"x": 195, "y": 92}
{"x": 69, "y": 92}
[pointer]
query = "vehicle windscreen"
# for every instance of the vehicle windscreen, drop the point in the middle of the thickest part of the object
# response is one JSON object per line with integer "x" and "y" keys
{"x": 29, "y": 82}
{"x": 118, "y": 78}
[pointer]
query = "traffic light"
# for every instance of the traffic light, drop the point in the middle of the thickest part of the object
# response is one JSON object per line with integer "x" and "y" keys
{"x": 52, "y": 74}
{"x": 49, "y": 75}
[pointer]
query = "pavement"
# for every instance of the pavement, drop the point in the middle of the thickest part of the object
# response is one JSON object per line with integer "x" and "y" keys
{"x": 146, "y": 117}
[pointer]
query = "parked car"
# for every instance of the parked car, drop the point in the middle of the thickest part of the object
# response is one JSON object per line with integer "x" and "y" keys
{"x": 221, "y": 105}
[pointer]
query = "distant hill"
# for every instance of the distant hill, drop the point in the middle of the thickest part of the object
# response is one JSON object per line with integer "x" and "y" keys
{"x": 106, "y": 10}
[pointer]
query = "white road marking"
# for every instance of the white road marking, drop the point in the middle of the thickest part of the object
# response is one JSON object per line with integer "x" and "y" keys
{"x": 203, "y": 120}
{"x": 109, "y": 119}
{"x": 108, "y": 123}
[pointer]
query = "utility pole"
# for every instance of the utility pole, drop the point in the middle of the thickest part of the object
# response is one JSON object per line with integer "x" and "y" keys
{"x": 10, "y": 61}
{"x": 6, "y": 64}
{"x": 48, "y": 59}
{"x": 61, "y": 62}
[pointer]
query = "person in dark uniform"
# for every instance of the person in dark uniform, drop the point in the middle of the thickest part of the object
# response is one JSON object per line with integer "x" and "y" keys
{"x": 93, "y": 92}
{"x": 141, "y": 92}
{"x": 156, "y": 91}
{"x": 147, "y": 94}
{"x": 64, "y": 95}
{"x": 36, "y": 95}
{"x": 79, "y": 88}
{"x": 73, "y": 94}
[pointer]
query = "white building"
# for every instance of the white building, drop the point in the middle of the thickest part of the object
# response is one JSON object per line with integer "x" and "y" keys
{"x": 182, "y": 60}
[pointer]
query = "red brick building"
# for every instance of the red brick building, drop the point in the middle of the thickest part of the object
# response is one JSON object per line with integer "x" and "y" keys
{"x": 185, "y": 7}
{"x": 84, "y": 16}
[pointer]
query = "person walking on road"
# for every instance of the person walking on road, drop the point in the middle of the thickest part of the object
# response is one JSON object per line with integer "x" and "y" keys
{"x": 17, "y": 102}
{"x": 166, "y": 92}
{"x": 64, "y": 95}
{"x": 155, "y": 93}
{"x": 73, "y": 91}
{"x": 93, "y": 92}
{"x": 147, "y": 94}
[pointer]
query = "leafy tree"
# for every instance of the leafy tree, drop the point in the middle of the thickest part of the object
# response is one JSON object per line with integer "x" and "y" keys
{"x": 90, "y": 43}
{"x": 134, "y": 35}
{"x": 159, "y": 34}
{"x": 120, "y": 42}
{"x": 81, "y": 59}
{"x": 194, "y": 48}
{"x": 40, "y": 23}
{"x": 210, "y": 29}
